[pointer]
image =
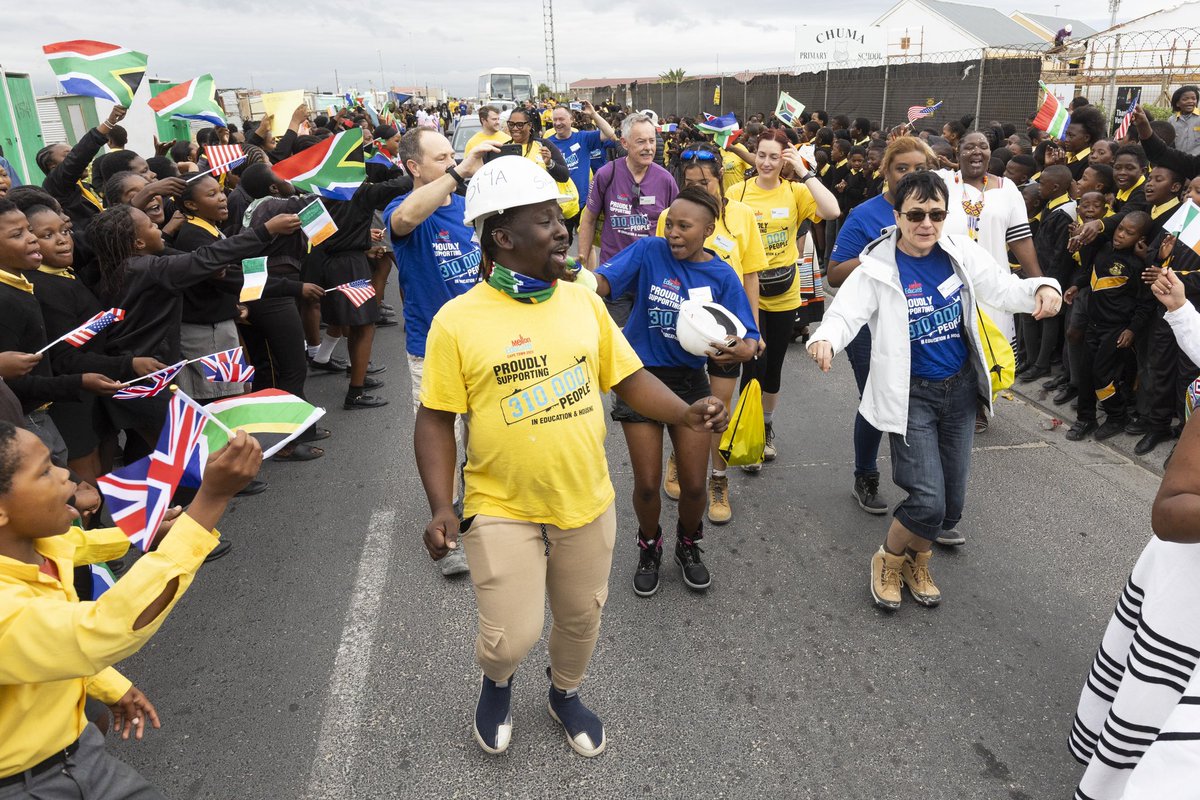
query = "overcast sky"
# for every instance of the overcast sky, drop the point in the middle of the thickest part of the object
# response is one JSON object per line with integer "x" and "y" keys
{"x": 294, "y": 44}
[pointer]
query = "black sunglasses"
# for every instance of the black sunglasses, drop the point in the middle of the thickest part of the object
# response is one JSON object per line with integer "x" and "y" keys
{"x": 919, "y": 214}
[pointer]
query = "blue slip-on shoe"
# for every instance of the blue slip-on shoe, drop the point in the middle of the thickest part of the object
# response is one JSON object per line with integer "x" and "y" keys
{"x": 493, "y": 721}
{"x": 585, "y": 731}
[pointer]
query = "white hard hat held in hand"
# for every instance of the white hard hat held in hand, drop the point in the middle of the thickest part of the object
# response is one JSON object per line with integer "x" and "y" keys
{"x": 508, "y": 182}
{"x": 702, "y": 322}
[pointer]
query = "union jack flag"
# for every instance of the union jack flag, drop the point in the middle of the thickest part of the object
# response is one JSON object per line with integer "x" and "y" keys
{"x": 359, "y": 291}
{"x": 919, "y": 112}
{"x": 84, "y": 333}
{"x": 139, "y": 494}
{"x": 158, "y": 381}
{"x": 224, "y": 157}
{"x": 228, "y": 366}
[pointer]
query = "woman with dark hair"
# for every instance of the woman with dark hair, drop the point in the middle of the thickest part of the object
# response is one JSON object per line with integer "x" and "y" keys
{"x": 954, "y": 130}
{"x": 918, "y": 292}
{"x": 1185, "y": 120}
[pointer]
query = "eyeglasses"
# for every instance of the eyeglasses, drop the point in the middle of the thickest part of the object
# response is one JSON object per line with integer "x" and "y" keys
{"x": 698, "y": 155}
{"x": 518, "y": 124}
{"x": 919, "y": 214}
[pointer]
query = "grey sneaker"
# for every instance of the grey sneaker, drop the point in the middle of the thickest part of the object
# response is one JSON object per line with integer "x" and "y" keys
{"x": 455, "y": 563}
{"x": 952, "y": 538}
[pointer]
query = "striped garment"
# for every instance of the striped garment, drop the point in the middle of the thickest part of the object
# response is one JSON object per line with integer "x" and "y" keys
{"x": 1137, "y": 728}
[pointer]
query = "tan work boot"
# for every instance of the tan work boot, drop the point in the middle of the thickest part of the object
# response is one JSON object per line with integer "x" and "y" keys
{"x": 885, "y": 579}
{"x": 915, "y": 573}
{"x": 719, "y": 511}
{"x": 671, "y": 479}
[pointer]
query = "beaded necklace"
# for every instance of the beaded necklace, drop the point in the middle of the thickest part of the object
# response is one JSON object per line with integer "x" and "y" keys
{"x": 973, "y": 208}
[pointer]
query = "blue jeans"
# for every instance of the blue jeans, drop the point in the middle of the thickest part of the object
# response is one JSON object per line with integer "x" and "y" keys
{"x": 866, "y": 437}
{"x": 933, "y": 464}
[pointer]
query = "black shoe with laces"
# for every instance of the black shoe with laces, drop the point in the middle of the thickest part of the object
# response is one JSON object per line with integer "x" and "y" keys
{"x": 645, "y": 580}
{"x": 687, "y": 556}
{"x": 866, "y": 492}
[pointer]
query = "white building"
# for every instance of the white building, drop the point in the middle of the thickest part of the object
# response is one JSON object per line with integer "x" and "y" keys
{"x": 919, "y": 27}
{"x": 1046, "y": 27}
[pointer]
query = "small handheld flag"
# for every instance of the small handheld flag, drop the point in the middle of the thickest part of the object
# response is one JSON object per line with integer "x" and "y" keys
{"x": 228, "y": 366}
{"x": 920, "y": 112}
{"x": 97, "y": 69}
{"x": 316, "y": 222}
{"x": 788, "y": 110}
{"x": 224, "y": 157}
{"x": 1127, "y": 118}
{"x": 1052, "y": 117}
{"x": 1184, "y": 225}
{"x": 135, "y": 390}
{"x": 333, "y": 169}
{"x": 194, "y": 99}
{"x": 84, "y": 333}
{"x": 721, "y": 127}
{"x": 102, "y": 579}
{"x": 272, "y": 416}
{"x": 358, "y": 292}
{"x": 254, "y": 279}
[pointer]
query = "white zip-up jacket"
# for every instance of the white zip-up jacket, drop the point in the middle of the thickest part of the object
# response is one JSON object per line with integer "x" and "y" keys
{"x": 1185, "y": 324}
{"x": 872, "y": 296}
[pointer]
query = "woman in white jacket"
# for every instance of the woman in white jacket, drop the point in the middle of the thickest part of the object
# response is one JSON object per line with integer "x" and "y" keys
{"x": 918, "y": 292}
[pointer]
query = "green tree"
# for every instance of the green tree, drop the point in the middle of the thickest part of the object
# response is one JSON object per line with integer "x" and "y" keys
{"x": 675, "y": 76}
{"x": 544, "y": 92}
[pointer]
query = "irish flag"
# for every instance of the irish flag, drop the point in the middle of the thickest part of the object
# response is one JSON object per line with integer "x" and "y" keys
{"x": 334, "y": 168}
{"x": 273, "y": 417}
{"x": 195, "y": 99}
{"x": 97, "y": 69}
{"x": 1184, "y": 225}
{"x": 1052, "y": 117}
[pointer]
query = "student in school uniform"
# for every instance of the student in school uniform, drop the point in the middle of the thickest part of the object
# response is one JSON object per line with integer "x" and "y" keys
{"x": 1057, "y": 218}
{"x": 66, "y": 166}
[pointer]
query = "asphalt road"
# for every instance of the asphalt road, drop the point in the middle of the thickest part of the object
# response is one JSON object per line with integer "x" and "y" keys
{"x": 326, "y": 658}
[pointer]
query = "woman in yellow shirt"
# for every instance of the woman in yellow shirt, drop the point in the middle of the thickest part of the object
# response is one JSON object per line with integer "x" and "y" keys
{"x": 737, "y": 243}
{"x": 779, "y": 208}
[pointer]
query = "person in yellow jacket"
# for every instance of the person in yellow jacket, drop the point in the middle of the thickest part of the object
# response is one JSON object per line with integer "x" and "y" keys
{"x": 58, "y": 650}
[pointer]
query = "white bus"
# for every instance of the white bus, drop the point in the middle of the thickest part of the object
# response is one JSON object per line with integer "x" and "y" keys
{"x": 507, "y": 83}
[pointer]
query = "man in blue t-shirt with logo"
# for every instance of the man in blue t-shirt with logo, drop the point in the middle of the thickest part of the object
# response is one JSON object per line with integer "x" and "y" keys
{"x": 577, "y": 148}
{"x": 437, "y": 255}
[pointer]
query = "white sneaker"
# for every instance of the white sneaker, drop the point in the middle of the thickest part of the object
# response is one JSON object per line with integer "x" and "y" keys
{"x": 454, "y": 563}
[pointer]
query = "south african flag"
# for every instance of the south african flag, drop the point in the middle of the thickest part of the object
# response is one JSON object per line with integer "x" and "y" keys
{"x": 97, "y": 69}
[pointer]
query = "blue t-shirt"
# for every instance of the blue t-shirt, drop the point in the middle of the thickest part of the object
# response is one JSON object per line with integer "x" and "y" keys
{"x": 934, "y": 295}
{"x": 435, "y": 263}
{"x": 577, "y": 151}
{"x": 659, "y": 284}
{"x": 599, "y": 159}
{"x": 864, "y": 225}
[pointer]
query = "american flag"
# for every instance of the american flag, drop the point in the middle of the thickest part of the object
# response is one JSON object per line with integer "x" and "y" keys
{"x": 359, "y": 291}
{"x": 228, "y": 366}
{"x": 139, "y": 494}
{"x": 1127, "y": 119}
{"x": 158, "y": 381}
{"x": 224, "y": 157}
{"x": 84, "y": 333}
{"x": 920, "y": 112}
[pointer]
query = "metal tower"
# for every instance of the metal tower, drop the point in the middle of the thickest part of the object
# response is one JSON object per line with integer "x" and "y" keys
{"x": 548, "y": 30}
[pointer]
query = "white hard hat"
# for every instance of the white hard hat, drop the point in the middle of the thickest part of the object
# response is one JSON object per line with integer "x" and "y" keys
{"x": 653, "y": 117}
{"x": 702, "y": 322}
{"x": 508, "y": 182}
{"x": 1068, "y": 27}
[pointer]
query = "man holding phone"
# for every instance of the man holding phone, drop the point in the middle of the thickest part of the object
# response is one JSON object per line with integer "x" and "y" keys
{"x": 489, "y": 118}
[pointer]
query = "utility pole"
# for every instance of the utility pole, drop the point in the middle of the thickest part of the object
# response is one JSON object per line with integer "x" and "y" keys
{"x": 548, "y": 30}
{"x": 382, "y": 82}
{"x": 1113, "y": 7}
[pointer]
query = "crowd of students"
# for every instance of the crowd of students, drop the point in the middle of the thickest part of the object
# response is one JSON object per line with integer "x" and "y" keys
{"x": 934, "y": 229}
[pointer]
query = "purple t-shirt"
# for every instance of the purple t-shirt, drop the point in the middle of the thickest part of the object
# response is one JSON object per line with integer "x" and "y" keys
{"x": 630, "y": 209}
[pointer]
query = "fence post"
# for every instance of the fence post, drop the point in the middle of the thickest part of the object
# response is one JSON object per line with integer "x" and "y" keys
{"x": 825, "y": 106}
{"x": 979, "y": 88}
{"x": 778, "y": 74}
{"x": 1112, "y": 81}
{"x": 883, "y": 111}
{"x": 746, "y": 100}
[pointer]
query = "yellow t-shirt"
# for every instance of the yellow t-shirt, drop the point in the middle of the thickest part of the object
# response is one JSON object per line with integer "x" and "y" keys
{"x": 547, "y": 117}
{"x": 530, "y": 383}
{"x": 735, "y": 240}
{"x": 499, "y": 137}
{"x": 779, "y": 213}
{"x": 735, "y": 169}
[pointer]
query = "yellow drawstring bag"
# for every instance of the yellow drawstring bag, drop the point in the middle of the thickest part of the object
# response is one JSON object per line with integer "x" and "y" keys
{"x": 745, "y": 439}
{"x": 1001, "y": 361}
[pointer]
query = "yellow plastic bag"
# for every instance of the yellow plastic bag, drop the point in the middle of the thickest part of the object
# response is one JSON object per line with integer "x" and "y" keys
{"x": 745, "y": 439}
{"x": 570, "y": 208}
{"x": 1001, "y": 361}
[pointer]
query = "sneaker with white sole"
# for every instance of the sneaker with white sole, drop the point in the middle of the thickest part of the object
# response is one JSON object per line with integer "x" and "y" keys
{"x": 951, "y": 538}
{"x": 454, "y": 563}
{"x": 671, "y": 478}
{"x": 687, "y": 556}
{"x": 493, "y": 720}
{"x": 585, "y": 731}
{"x": 645, "y": 580}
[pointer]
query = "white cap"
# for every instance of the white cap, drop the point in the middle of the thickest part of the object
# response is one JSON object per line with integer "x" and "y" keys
{"x": 653, "y": 117}
{"x": 508, "y": 182}
{"x": 702, "y": 322}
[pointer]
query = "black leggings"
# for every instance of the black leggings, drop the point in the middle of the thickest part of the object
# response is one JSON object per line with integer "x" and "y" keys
{"x": 776, "y": 328}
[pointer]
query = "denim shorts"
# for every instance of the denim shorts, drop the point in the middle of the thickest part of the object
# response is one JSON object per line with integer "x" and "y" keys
{"x": 688, "y": 383}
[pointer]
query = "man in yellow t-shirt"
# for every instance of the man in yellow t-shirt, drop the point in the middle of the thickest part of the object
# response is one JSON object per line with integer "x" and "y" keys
{"x": 489, "y": 118}
{"x": 539, "y": 517}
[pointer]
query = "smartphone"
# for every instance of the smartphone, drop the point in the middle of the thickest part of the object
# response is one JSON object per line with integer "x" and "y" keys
{"x": 505, "y": 150}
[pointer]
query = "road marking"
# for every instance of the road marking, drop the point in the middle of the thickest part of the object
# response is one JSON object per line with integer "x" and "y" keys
{"x": 341, "y": 720}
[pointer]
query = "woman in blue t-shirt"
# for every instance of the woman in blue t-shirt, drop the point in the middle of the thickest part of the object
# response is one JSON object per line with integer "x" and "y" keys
{"x": 918, "y": 290}
{"x": 661, "y": 273}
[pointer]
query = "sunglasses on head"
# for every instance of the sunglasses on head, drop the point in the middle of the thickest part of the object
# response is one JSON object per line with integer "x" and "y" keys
{"x": 698, "y": 155}
{"x": 919, "y": 214}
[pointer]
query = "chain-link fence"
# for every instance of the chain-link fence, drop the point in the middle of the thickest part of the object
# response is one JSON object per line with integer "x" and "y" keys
{"x": 994, "y": 83}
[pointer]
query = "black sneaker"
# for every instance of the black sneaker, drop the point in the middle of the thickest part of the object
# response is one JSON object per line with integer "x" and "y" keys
{"x": 687, "y": 556}
{"x": 645, "y": 580}
{"x": 1110, "y": 428}
{"x": 1080, "y": 430}
{"x": 866, "y": 492}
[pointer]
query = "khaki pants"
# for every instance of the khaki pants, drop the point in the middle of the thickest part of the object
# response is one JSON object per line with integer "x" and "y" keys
{"x": 513, "y": 573}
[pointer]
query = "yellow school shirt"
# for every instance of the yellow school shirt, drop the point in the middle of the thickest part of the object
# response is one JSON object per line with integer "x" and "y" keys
{"x": 735, "y": 169}
{"x": 735, "y": 240}
{"x": 499, "y": 137}
{"x": 778, "y": 213}
{"x": 56, "y": 648}
{"x": 530, "y": 382}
